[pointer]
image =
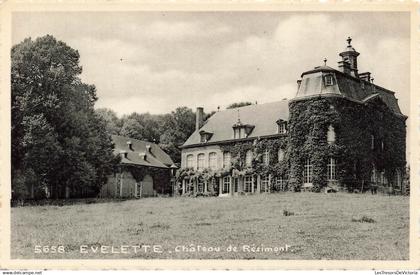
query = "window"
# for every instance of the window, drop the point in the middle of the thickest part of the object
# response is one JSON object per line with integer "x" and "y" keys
{"x": 329, "y": 80}
{"x": 226, "y": 159}
{"x": 331, "y": 170}
{"x": 307, "y": 172}
{"x": 200, "y": 161}
{"x": 373, "y": 174}
{"x": 372, "y": 142}
{"x": 281, "y": 155}
{"x": 235, "y": 133}
{"x": 282, "y": 128}
{"x": 213, "y": 161}
{"x": 331, "y": 135}
{"x": 190, "y": 161}
{"x": 226, "y": 185}
{"x": 281, "y": 184}
{"x": 235, "y": 185}
{"x": 398, "y": 177}
{"x": 266, "y": 157}
{"x": 384, "y": 181}
{"x": 200, "y": 187}
{"x": 248, "y": 184}
{"x": 265, "y": 183}
{"x": 205, "y": 136}
{"x": 238, "y": 132}
{"x": 248, "y": 158}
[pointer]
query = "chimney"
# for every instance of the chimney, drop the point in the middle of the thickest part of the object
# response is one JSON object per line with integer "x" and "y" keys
{"x": 365, "y": 76}
{"x": 124, "y": 153}
{"x": 148, "y": 148}
{"x": 129, "y": 145}
{"x": 143, "y": 156}
{"x": 199, "y": 118}
{"x": 344, "y": 66}
{"x": 298, "y": 83}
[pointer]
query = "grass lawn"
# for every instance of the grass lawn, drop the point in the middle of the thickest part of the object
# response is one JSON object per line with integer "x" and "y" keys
{"x": 320, "y": 226}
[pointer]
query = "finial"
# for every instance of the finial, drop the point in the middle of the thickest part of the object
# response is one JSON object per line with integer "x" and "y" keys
{"x": 372, "y": 79}
{"x": 349, "y": 40}
{"x": 239, "y": 117}
{"x": 325, "y": 61}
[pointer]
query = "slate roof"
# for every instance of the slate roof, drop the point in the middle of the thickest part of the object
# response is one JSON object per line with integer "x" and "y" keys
{"x": 345, "y": 86}
{"x": 262, "y": 116}
{"x": 155, "y": 158}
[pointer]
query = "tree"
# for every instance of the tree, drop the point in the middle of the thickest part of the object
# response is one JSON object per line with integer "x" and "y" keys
{"x": 58, "y": 141}
{"x": 238, "y": 104}
{"x": 176, "y": 127}
{"x": 112, "y": 123}
{"x": 141, "y": 126}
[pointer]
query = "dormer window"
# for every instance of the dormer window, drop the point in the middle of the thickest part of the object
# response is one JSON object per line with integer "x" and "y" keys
{"x": 205, "y": 136}
{"x": 281, "y": 126}
{"x": 242, "y": 130}
{"x": 328, "y": 80}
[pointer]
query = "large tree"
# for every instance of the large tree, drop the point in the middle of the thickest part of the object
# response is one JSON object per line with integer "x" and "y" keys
{"x": 58, "y": 140}
{"x": 141, "y": 126}
{"x": 112, "y": 121}
{"x": 176, "y": 127}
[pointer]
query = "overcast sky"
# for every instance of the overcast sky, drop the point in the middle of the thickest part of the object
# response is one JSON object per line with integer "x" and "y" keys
{"x": 156, "y": 61}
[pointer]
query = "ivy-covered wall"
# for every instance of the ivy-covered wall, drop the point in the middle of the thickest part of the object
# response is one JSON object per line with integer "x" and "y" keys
{"x": 161, "y": 177}
{"x": 354, "y": 123}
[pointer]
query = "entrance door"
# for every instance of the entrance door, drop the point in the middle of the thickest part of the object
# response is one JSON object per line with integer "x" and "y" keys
{"x": 147, "y": 186}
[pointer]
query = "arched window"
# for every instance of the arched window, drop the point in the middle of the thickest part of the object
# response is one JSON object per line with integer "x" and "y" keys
{"x": 226, "y": 159}
{"x": 213, "y": 161}
{"x": 190, "y": 161}
{"x": 331, "y": 135}
{"x": 331, "y": 170}
{"x": 200, "y": 161}
{"x": 281, "y": 155}
{"x": 248, "y": 158}
{"x": 266, "y": 157}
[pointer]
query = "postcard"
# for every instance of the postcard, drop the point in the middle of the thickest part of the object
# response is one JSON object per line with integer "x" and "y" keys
{"x": 171, "y": 135}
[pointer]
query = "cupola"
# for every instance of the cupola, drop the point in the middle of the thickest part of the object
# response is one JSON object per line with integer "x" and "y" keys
{"x": 348, "y": 64}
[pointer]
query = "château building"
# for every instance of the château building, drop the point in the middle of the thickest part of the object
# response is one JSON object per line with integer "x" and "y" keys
{"x": 340, "y": 132}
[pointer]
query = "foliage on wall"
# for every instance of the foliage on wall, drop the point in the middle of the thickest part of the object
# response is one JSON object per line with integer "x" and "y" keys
{"x": 160, "y": 176}
{"x": 354, "y": 123}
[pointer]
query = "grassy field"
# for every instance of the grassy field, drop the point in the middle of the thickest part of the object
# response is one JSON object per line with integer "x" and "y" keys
{"x": 307, "y": 225}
